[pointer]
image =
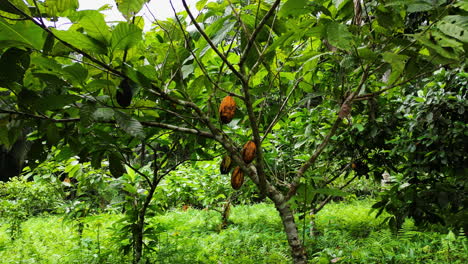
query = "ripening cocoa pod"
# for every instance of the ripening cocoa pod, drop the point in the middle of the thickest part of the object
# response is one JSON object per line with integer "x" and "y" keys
{"x": 248, "y": 151}
{"x": 225, "y": 166}
{"x": 237, "y": 178}
{"x": 227, "y": 109}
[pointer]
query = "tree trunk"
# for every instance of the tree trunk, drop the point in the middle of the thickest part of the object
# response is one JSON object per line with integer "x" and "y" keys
{"x": 138, "y": 240}
{"x": 297, "y": 249}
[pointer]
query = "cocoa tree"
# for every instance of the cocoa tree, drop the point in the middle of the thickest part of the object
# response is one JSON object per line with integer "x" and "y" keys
{"x": 275, "y": 58}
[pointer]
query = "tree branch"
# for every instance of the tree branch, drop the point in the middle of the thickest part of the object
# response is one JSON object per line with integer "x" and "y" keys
{"x": 295, "y": 184}
{"x": 144, "y": 123}
{"x": 278, "y": 115}
{"x": 70, "y": 46}
{"x": 212, "y": 45}
{"x": 256, "y": 31}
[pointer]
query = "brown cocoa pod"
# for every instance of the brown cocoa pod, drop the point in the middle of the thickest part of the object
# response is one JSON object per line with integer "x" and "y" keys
{"x": 227, "y": 109}
{"x": 226, "y": 165}
{"x": 248, "y": 151}
{"x": 237, "y": 178}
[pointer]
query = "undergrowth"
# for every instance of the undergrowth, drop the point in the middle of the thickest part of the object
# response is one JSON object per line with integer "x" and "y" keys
{"x": 345, "y": 233}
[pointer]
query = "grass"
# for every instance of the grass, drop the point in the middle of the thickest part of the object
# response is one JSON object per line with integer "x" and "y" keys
{"x": 347, "y": 233}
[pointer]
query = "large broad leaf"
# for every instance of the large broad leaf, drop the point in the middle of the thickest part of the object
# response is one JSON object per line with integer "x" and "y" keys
{"x": 56, "y": 102}
{"x": 125, "y": 36}
{"x": 6, "y": 6}
{"x": 103, "y": 114}
{"x": 58, "y": 7}
{"x": 455, "y": 26}
{"x": 129, "y": 124}
{"x": 80, "y": 40}
{"x": 13, "y": 64}
{"x": 75, "y": 73}
{"x": 22, "y": 33}
{"x": 398, "y": 63}
{"x": 339, "y": 36}
{"x": 129, "y": 8}
{"x": 86, "y": 114}
{"x": 463, "y": 4}
{"x": 115, "y": 164}
{"x": 294, "y": 7}
{"x": 94, "y": 24}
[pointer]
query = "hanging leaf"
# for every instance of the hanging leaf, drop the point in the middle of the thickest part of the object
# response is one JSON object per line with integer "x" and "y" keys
{"x": 129, "y": 8}
{"x": 94, "y": 24}
{"x": 57, "y": 8}
{"x": 13, "y": 64}
{"x": 397, "y": 62}
{"x": 339, "y": 36}
{"x": 455, "y": 26}
{"x": 116, "y": 167}
{"x": 125, "y": 36}
{"x": 129, "y": 124}
{"x": 81, "y": 41}
{"x": 86, "y": 114}
{"x": 103, "y": 114}
{"x": 75, "y": 73}
{"x": 56, "y": 102}
{"x": 22, "y": 33}
{"x": 294, "y": 7}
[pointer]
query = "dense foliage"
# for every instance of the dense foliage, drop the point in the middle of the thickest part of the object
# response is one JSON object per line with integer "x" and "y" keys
{"x": 328, "y": 91}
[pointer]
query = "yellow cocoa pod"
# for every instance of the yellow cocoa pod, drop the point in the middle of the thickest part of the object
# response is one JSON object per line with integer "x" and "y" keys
{"x": 225, "y": 166}
{"x": 237, "y": 178}
{"x": 248, "y": 151}
{"x": 227, "y": 109}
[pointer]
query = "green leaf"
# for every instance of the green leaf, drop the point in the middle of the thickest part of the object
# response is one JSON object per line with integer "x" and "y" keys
{"x": 397, "y": 62}
{"x": 201, "y": 4}
{"x": 359, "y": 127}
{"x": 294, "y": 7}
{"x": 56, "y": 102}
{"x": 81, "y": 41}
{"x": 22, "y": 33}
{"x": 4, "y": 139}
{"x": 339, "y": 36}
{"x": 463, "y": 4}
{"x": 13, "y": 64}
{"x": 104, "y": 114}
{"x": 53, "y": 136}
{"x": 116, "y": 167}
{"x": 129, "y": 124}
{"x": 57, "y": 7}
{"x": 76, "y": 72}
{"x": 129, "y": 8}
{"x": 125, "y": 36}
{"x": 455, "y": 26}
{"x": 94, "y": 24}
{"x": 5, "y": 6}
{"x": 86, "y": 114}
{"x": 340, "y": 3}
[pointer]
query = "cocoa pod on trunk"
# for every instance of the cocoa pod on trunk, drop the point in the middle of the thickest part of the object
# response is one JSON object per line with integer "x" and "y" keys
{"x": 227, "y": 109}
{"x": 226, "y": 165}
{"x": 248, "y": 151}
{"x": 237, "y": 178}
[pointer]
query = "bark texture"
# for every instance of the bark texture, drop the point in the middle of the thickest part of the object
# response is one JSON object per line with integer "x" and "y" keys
{"x": 287, "y": 217}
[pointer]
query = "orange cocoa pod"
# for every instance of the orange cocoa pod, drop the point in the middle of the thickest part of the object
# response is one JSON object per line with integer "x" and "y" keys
{"x": 226, "y": 165}
{"x": 248, "y": 151}
{"x": 237, "y": 178}
{"x": 227, "y": 109}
